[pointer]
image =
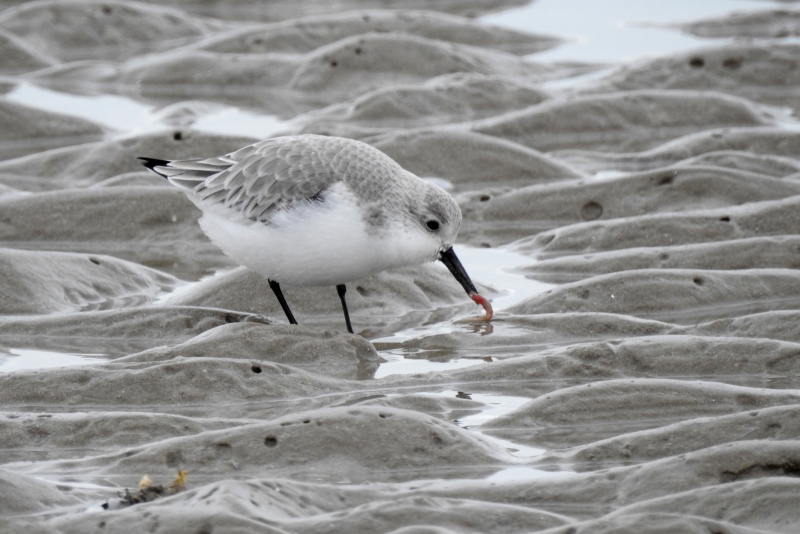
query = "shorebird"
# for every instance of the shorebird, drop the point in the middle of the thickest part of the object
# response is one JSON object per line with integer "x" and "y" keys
{"x": 312, "y": 210}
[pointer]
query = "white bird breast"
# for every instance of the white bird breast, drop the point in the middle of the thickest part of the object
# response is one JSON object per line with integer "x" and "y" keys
{"x": 319, "y": 243}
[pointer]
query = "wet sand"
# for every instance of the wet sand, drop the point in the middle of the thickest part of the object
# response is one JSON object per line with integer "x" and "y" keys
{"x": 633, "y": 221}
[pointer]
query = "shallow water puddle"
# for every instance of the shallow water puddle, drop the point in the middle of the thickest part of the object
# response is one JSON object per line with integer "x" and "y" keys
{"x": 607, "y": 175}
{"x": 398, "y": 365}
{"x": 25, "y": 359}
{"x": 127, "y": 116}
{"x": 786, "y": 120}
{"x": 492, "y": 267}
{"x": 521, "y": 474}
{"x": 117, "y": 112}
{"x": 496, "y": 406}
{"x": 235, "y": 121}
{"x": 622, "y": 29}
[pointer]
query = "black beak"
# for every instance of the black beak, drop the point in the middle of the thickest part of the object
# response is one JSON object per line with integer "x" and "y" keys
{"x": 449, "y": 258}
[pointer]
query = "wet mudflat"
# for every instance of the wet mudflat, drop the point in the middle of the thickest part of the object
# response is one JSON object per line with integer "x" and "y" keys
{"x": 632, "y": 215}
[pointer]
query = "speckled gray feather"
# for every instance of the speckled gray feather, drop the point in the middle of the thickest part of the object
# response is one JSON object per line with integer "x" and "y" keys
{"x": 261, "y": 179}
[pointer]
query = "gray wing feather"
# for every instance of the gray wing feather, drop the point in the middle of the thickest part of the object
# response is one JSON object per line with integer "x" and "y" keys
{"x": 260, "y": 179}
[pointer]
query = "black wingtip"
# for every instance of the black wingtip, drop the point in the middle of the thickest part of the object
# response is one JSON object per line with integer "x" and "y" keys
{"x": 151, "y": 163}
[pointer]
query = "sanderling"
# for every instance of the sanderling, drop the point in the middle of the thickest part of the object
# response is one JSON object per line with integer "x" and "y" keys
{"x": 311, "y": 210}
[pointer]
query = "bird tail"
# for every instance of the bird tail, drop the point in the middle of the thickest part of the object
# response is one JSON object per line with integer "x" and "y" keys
{"x": 152, "y": 163}
{"x": 189, "y": 174}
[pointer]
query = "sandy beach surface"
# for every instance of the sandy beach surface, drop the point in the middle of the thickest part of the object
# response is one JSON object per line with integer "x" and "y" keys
{"x": 629, "y": 176}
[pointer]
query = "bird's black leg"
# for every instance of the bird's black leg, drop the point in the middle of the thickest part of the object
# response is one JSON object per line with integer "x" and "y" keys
{"x": 341, "y": 289}
{"x": 276, "y": 288}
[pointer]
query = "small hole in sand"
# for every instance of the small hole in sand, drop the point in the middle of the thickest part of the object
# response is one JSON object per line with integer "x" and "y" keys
{"x": 178, "y": 136}
{"x": 306, "y": 421}
{"x": 485, "y": 245}
{"x": 697, "y": 280}
{"x": 271, "y": 441}
{"x": 696, "y": 62}
{"x": 361, "y": 291}
{"x": 357, "y": 51}
{"x": 725, "y": 219}
{"x": 484, "y": 198}
{"x": 230, "y": 318}
{"x": 334, "y": 63}
{"x": 732, "y": 63}
{"x": 107, "y": 10}
{"x": 591, "y": 210}
{"x": 256, "y": 369}
{"x": 95, "y": 261}
{"x": 384, "y": 415}
{"x": 665, "y": 180}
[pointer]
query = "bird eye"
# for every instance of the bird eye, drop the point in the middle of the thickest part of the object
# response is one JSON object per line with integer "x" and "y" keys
{"x": 433, "y": 225}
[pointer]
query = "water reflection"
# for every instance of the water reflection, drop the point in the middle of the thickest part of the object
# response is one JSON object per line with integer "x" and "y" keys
{"x": 25, "y": 359}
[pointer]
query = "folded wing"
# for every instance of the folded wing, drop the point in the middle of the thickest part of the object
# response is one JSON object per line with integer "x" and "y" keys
{"x": 258, "y": 180}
